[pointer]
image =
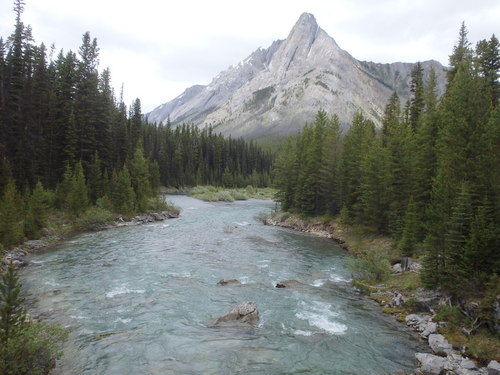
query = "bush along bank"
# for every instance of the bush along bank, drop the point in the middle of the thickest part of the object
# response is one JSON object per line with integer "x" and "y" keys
{"x": 463, "y": 333}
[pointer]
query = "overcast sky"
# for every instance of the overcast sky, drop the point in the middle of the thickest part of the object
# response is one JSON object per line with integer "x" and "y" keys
{"x": 158, "y": 48}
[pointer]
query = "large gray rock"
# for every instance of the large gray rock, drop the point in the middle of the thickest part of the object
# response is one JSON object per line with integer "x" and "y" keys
{"x": 276, "y": 90}
{"x": 493, "y": 368}
{"x": 431, "y": 364}
{"x": 430, "y": 328}
{"x": 439, "y": 344}
{"x": 418, "y": 322}
{"x": 245, "y": 312}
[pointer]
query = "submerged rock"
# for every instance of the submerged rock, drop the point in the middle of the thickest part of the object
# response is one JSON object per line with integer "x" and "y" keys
{"x": 228, "y": 282}
{"x": 245, "y": 312}
{"x": 289, "y": 284}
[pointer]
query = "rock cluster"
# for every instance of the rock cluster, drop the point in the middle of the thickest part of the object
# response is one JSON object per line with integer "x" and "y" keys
{"x": 443, "y": 360}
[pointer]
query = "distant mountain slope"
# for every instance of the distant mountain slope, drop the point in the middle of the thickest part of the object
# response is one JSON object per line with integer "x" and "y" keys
{"x": 276, "y": 90}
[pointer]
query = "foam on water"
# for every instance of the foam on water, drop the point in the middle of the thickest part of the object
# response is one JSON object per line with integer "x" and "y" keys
{"x": 319, "y": 282}
{"x": 300, "y": 332}
{"x": 320, "y": 315}
{"x": 123, "y": 290}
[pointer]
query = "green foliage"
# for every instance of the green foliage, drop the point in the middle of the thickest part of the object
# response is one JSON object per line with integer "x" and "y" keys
{"x": 450, "y": 314}
{"x": 12, "y": 314}
{"x": 430, "y": 178}
{"x": 33, "y": 350}
{"x": 11, "y": 224}
{"x": 94, "y": 217}
{"x": 122, "y": 192}
{"x": 26, "y": 348}
{"x": 60, "y": 120}
{"x": 140, "y": 179}
{"x": 370, "y": 265}
{"x": 37, "y": 209}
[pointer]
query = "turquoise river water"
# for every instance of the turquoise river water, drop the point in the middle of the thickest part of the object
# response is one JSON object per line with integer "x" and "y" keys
{"x": 140, "y": 300}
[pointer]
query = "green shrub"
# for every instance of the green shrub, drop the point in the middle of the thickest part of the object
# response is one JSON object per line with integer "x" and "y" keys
{"x": 238, "y": 195}
{"x": 370, "y": 265}
{"x": 224, "y": 196}
{"x": 94, "y": 217}
{"x": 451, "y": 314}
{"x": 105, "y": 203}
{"x": 33, "y": 350}
{"x": 250, "y": 190}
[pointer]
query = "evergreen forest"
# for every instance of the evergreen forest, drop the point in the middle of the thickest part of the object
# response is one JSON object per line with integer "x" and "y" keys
{"x": 429, "y": 178}
{"x": 67, "y": 142}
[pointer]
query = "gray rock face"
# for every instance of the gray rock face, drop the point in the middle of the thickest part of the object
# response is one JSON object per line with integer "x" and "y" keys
{"x": 432, "y": 364}
{"x": 276, "y": 90}
{"x": 245, "y": 312}
{"x": 493, "y": 368}
{"x": 439, "y": 344}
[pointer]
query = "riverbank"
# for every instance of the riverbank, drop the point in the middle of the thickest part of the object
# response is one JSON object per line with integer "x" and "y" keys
{"x": 60, "y": 230}
{"x": 395, "y": 285}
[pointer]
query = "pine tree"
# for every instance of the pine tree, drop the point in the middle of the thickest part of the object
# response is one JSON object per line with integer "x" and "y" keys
{"x": 461, "y": 52}
{"x": 11, "y": 220}
{"x": 417, "y": 101}
{"x": 122, "y": 193}
{"x": 372, "y": 207}
{"x": 329, "y": 171}
{"x": 37, "y": 211}
{"x": 356, "y": 141}
{"x": 488, "y": 64}
{"x": 12, "y": 314}
{"x": 285, "y": 173}
{"x": 409, "y": 237}
{"x": 140, "y": 178}
{"x": 95, "y": 180}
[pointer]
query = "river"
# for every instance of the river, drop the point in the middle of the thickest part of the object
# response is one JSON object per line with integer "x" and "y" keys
{"x": 140, "y": 300}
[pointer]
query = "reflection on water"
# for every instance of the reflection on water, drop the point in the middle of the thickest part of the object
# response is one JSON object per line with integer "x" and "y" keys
{"x": 139, "y": 300}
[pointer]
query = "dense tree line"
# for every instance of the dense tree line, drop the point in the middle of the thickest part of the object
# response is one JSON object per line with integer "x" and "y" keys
{"x": 67, "y": 142}
{"x": 430, "y": 177}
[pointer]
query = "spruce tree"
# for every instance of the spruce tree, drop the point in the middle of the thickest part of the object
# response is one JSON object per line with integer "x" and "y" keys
{"x": 140, "y": 178}
{"x": 12, "y": 313}
{"x": 11, "y": 220}
{"x": 122, "y": 192}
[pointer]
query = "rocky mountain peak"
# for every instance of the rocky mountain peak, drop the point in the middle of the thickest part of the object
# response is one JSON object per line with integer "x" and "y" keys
{"x": 305, "y": 27}
{"x": 275, "y": 91}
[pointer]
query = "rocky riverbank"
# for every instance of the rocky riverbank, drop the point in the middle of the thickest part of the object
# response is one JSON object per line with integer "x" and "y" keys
{"x": 415, "y": 308}
{"x": 17, "y": 255}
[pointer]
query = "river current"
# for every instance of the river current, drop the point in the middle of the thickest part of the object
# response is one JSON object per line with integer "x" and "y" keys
{"x": 140, "y": 300}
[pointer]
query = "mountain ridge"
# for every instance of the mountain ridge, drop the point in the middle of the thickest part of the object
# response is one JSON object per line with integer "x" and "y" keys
{"x": 276, "y": 90}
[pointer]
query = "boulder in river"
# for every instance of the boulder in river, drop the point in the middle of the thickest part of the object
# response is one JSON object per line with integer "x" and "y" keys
{"x": 289, "y": 284}
{"x": 228, "y": 282}
{"x": 245, "y": 312}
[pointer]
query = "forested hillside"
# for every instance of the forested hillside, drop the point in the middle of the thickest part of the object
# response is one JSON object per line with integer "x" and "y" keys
{"x": 430, "y": 178}
{"x": 67, "y": 142}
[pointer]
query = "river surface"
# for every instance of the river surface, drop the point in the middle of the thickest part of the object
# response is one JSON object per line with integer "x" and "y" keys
{"x": 140, "y": 300}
